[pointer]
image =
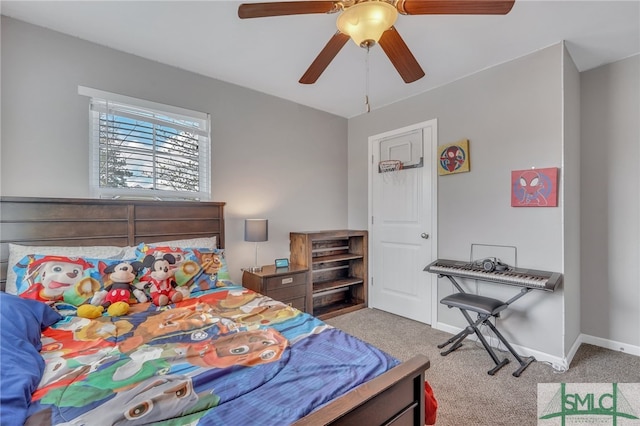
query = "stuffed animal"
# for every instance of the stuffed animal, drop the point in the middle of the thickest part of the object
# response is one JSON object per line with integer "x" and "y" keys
{"x": 159, "y": 280}
{"x": 116, "y": 299}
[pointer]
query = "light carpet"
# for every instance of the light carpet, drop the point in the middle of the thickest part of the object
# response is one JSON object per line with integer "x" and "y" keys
{"x": 466, "y": 394}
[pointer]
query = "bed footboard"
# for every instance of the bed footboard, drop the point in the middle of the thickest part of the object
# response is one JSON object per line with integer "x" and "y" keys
{"x": 395, "y": 397}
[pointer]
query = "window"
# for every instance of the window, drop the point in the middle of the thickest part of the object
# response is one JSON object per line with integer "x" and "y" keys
{"x": 145, "y": 149}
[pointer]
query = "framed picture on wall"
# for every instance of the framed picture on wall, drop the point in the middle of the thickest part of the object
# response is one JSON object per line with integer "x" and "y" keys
{"x": 534, "y": 187}
{"x": 454, "y": 157}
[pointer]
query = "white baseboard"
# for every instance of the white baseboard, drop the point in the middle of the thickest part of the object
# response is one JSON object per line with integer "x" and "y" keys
{"x": 608, "y": 344}
{"x": 557, "y": 363}
{"x": 573, "y": 350}
{"x": 446, "y": 328}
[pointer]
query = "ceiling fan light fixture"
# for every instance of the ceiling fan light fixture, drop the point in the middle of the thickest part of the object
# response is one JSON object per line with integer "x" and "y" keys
{"x": 366, "y": 21}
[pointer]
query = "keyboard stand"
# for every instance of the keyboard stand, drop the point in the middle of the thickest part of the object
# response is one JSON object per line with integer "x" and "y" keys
{"x": 485, "y": 307}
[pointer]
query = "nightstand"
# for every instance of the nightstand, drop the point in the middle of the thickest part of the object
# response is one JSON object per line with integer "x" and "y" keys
{"x": 288, "y": 285}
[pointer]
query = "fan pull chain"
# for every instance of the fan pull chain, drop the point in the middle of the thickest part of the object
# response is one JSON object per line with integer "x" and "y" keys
{"x": 366, "y": 89}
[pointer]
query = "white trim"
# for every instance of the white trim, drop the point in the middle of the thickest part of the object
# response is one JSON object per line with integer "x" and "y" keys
{"x": 148, "y": 193}
{"x": 609, "y": 344}
{"x": 142, "y": 103}
{"x": 559, "y": 364}
{"x": 572, "y": 351}
{"x": 100, "y": 103}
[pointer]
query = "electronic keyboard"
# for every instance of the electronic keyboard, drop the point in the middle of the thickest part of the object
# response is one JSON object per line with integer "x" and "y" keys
{"x": 529, "y": 278}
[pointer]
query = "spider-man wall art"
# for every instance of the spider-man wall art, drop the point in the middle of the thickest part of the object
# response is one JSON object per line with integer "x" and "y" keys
{"x": 454, "y": 157}
{"x": 534, "y": 187}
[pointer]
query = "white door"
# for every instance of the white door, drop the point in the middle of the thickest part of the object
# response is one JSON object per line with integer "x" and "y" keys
{"x": 402, "y": 223}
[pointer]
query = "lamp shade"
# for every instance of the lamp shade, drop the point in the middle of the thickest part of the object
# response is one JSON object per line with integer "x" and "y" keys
{"x": 256, "y": 230}
{"x": 365, "y": 22}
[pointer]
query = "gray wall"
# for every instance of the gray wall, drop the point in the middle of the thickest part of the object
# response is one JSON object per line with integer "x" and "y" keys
{"x": 571, "y": 201}
{"x": 289, "y": 163}
{"x": 539, "y": 111}
{"x": 610, "y": 206}
{"x": 512, "y": 115}
{"x": 271, "y": 158}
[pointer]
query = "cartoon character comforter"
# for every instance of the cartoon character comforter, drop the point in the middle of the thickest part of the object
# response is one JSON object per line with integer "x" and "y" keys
{"x": 225, "y": 356}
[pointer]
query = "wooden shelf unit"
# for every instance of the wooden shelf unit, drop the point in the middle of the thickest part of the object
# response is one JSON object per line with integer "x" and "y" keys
{"x": 338, "y": 265}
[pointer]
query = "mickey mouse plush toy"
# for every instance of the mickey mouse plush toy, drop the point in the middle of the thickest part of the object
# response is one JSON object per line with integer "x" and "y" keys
{"x": 116, "y": 298}
{"x": 159, "y": 280}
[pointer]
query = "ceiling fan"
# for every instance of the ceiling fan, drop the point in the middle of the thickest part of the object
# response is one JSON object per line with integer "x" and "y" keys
{"x": 368, "y": 22}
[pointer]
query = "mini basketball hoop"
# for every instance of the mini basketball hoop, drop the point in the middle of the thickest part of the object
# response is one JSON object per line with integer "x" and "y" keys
{"x": 390, "y": 170}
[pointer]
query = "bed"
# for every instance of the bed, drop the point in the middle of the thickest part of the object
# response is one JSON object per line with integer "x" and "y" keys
{"x": 271, "y": 364}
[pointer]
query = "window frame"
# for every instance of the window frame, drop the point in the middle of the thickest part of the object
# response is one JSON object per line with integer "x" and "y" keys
{"x": 99, "y": 103}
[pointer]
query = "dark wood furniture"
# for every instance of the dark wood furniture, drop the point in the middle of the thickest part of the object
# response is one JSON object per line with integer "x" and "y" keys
{"x": 288, "y": 285}
{"x": 97, "y": 222}
{"x": 395, "y": 396}
{"x": 338, "y": 261}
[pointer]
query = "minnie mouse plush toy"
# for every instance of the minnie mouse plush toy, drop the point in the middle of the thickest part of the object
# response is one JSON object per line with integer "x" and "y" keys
{"x": 159, "y": 280}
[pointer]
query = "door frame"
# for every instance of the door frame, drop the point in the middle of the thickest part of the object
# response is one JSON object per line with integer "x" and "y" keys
{"x": 433, "y": 237}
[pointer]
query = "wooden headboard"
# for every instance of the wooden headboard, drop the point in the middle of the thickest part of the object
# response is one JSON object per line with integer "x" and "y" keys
{"x": 96, "y": 222}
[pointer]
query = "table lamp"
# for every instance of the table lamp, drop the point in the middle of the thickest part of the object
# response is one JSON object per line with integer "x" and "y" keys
{"x": 256, "y": 230}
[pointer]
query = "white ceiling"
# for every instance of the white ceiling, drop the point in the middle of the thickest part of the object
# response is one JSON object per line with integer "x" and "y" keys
{"x": 271, "y": 54}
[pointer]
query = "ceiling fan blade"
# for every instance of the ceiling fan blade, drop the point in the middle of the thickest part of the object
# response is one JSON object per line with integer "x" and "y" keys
{"x": 324, "y": 58}
{"x": 260, "y": 10}
{"x": 455, "y": 7}
{"x": 400, "y": 56}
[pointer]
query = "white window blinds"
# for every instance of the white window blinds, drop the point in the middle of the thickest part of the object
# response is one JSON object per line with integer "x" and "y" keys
{"x": 145, "y": 149}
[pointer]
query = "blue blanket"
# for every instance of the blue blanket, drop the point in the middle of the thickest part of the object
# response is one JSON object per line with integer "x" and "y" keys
{"x": 223, "y": 356}
{"x": 21, "y": 322}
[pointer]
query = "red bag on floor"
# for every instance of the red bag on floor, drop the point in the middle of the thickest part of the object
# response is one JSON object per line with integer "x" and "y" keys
{"x": 430, "y": 405}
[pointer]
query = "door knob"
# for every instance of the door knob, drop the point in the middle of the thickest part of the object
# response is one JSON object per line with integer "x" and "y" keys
{"x": 425, "y": 235}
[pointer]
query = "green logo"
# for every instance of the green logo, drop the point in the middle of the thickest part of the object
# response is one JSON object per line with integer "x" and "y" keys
{"x": 591, "y": 402}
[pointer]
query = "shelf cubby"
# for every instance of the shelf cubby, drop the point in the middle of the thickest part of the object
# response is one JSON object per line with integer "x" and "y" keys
{"x": 337, "y": 260}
